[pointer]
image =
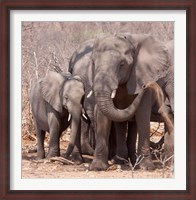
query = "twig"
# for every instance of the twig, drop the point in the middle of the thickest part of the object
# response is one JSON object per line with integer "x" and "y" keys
{"x": 61, "y": 159}
{"x": 137, "y": 162}
{"x": 36, "y": 65}
{"x": 162, "y": 159}
{"x": 48, "y": 67}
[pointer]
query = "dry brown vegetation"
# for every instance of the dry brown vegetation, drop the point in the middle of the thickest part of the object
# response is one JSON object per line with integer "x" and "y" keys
{"x": 44, "y": 43}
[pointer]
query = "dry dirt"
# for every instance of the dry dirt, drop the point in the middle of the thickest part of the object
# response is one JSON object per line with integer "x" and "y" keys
{"x": 32, "y": 168}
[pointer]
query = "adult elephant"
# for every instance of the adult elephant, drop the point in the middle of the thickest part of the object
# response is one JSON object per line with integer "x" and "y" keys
{"x": 108, "y": 73}
{"x": 81, "y": 64}
{"x": 55, "y": 100}
{"x": 123, "y": 65}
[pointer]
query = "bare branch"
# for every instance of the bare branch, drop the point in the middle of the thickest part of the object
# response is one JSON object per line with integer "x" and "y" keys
{"x": 36, "y": 65}
{"x": 61, "y": 159}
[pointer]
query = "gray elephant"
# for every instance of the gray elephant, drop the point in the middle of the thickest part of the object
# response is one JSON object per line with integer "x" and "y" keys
{"x": 122, "y": 66}
{"x": 80, "y": 64}
{"x": 140, "y": 74}
{"x": 55, "y": 100}
{"x": 108, "y": 73}
{"x": 145, "y": 60}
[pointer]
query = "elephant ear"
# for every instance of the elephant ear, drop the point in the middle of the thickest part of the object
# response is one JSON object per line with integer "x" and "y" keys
{"x": 151, "y": 64}
{"x": 51, "y": 86}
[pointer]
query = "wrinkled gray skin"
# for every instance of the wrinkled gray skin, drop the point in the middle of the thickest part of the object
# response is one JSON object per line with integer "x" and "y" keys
{"x": 112, "y": 61}
{"x": 80, "y": 64}
{"x": 52, "y": 99}
{"x": 144, "y": 61}
{"x": 126, "y": 148}
{"x": 126, "y": 133}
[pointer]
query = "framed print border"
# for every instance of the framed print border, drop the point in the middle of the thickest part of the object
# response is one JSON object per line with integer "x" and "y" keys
{"x": 6, "y": 7}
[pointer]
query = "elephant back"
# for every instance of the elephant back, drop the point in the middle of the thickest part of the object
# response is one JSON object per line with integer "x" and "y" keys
{"x": 84, "y": 49}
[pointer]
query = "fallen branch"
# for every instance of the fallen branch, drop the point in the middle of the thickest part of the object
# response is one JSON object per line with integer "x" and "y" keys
{"x": 61, "y": 159}
{"x": 88, "y": 156}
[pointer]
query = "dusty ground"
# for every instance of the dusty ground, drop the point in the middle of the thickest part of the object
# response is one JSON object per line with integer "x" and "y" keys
{"x": 32, "y": 168}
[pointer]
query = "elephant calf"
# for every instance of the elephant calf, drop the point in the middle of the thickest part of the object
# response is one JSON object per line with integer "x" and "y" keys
{"x": 55, "y": 99}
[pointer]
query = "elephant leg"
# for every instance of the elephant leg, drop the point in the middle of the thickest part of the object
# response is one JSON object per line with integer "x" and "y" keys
{"x": 112, "y": 142}
{"x": 100, "y": 161}
{"x": 54, "y": 149}
{"x": 131, "y": 141}
{"x": 121, "y": 142}
{"x": 91, "y": 136}
{"x": 77, "y": 151}
{"x": 169, "y": 140}
{"x": 93, "y": 127}
{"x": 90, "y": 108}
{"x": 77, "y": 156}
{"x": 85, "y": 146}
{"x": 40, "y": 142}
{"x": 169, "y": 132}
{"x": 143, "y": 115}
{"x": 92, "y": 131}
{"x": 169, "y": 136}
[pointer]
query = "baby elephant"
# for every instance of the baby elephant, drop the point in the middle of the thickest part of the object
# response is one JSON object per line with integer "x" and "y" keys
{"x": 54, "y": 100}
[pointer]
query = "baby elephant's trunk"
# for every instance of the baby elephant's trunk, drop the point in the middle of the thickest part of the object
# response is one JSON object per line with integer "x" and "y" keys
{"x": 75, "y": 132}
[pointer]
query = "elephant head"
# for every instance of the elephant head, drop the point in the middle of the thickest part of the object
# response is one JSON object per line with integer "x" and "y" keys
{"x": 112, "y": 58}
{"x": 151, "y": 61}
{"x": 125, "y": 59}
{"x": 65, "y": 92}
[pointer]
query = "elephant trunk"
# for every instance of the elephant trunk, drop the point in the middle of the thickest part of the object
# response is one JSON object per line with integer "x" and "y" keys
{"x": 75, "y": 127}
{"x": 106, "y": 105}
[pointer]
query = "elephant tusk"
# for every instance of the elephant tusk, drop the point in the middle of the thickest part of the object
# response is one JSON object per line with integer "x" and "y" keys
{"x": 113, "y": 94}
{"x": 89, "y": 94}
{"x": 84, "y": 115}
{"x": 69, "y": 117}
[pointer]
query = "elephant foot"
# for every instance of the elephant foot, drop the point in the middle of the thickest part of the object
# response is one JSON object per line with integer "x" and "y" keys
{"x": 119, "y": 160}
{"x": 40, "y": 155}
{"x": 77, "y": 158}
{"x": 53, "y": 154}
{"x": 147, "y": 164}
{"x": 98, "y": 165}
{"x": 87, "y": 149}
